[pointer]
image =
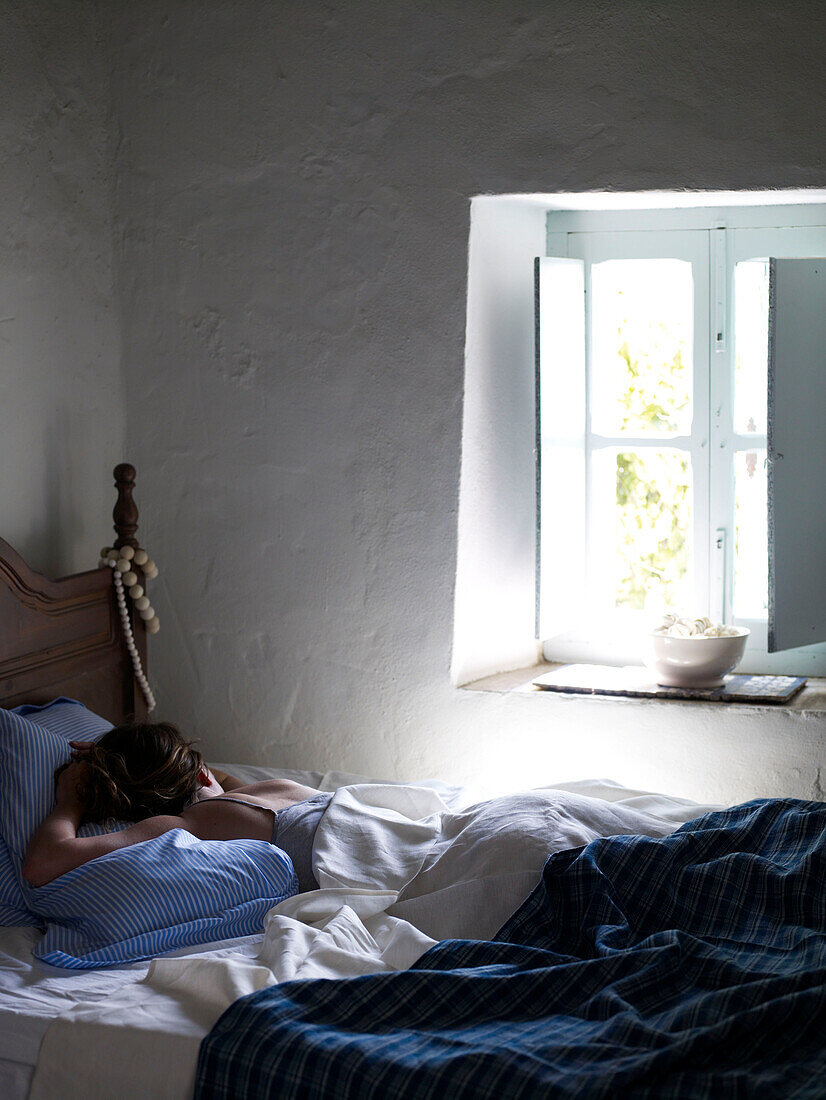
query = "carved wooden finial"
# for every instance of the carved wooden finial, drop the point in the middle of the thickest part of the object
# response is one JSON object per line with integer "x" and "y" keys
{"x": 125, "y": 512}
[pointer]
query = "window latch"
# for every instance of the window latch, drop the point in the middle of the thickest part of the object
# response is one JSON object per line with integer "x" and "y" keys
{"x": 718, "y": 244}
{"x": 717, "y": 593}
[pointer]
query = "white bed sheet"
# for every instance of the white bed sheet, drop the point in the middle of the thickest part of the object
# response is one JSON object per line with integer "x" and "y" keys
{"x": 349, "y": 927}
{"x": 33, "y": 994}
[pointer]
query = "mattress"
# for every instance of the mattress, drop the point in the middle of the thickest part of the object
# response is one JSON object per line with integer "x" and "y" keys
{"x": 32, "y": 994}
{"x": 15, "y": 1079}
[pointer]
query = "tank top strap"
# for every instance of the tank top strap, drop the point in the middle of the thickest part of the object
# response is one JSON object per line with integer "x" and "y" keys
{"x": 241, "y": 801}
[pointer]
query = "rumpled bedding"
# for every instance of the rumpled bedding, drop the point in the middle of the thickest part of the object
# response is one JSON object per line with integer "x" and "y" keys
{"x": 398, "y": 870}
{"x": 685, "y": 967}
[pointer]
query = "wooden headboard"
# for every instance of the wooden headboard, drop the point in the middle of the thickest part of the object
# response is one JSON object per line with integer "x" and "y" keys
{"x": 64, "y": 637}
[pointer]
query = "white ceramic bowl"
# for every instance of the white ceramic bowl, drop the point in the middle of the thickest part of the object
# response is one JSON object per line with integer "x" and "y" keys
{"x": 695, "y": 662}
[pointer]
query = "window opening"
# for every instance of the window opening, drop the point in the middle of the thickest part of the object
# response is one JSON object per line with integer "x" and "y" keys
{"x": 673, "y": 462}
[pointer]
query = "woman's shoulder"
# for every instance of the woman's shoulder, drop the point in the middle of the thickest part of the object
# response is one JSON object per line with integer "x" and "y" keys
{"x": 274, "y": 793}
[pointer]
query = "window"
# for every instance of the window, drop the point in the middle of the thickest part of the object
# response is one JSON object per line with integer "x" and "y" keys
{"x": 653, "y": 373}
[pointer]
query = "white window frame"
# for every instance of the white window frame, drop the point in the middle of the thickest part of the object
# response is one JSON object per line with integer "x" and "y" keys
{"x": 732, "y": 234}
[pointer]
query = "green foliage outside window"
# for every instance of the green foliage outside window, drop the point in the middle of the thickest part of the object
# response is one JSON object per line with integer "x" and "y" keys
{"x": 655, "y": 393}
{"x": 653, "y": 516}
{"x": 653, "y": 496}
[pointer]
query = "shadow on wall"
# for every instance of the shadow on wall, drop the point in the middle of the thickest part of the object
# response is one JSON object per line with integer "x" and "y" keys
{"x": 60, "y": 523}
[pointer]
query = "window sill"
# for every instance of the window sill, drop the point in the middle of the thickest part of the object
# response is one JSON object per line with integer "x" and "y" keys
{"x": 811, "y": 700}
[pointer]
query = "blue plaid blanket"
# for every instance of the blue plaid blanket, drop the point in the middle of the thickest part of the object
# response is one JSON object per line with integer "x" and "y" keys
{"x": 692, "y": 965}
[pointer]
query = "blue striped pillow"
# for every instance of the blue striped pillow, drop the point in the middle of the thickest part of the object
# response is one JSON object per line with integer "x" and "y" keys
{"x": 72, "y": 721}
{"x": 68, "y": 718}
{"x": 13, "y": 908}
{"x": 28, "y": 758}
{"x": 170, "y": 892}
{"x": 29, "y": 781}
{"x": 29, "y": 754}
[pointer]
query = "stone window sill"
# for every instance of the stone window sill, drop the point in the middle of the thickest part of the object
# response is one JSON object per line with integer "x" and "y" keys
{"x": 812, "y": 699}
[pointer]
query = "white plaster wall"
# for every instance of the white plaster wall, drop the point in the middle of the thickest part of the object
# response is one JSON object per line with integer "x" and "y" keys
{"x": 62, "y": 405}
{"x": 494, "y": 617}
{"x": 292, "y": 207}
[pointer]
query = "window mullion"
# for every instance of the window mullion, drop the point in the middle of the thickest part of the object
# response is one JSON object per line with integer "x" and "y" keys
{"x": 721, "y": 448}
{"x": 704, "y": 303}
{"x": 590, "y": 516}
{"x": 656, "y": 442}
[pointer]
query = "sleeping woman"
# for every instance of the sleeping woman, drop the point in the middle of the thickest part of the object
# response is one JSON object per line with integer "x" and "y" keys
{"x": 150, "y": 775}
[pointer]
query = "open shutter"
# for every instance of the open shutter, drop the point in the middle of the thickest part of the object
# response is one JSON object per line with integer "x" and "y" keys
{"x": 560, "y": 442}
{"x": 797, "y": 453}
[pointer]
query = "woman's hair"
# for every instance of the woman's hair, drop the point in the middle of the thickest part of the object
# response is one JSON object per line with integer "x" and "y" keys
{"x": 139, "y": 770}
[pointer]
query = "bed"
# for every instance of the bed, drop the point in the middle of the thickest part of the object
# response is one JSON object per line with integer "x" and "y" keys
{"x": 576, "y": 940}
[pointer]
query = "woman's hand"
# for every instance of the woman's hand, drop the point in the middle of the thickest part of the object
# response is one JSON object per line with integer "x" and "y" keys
{"x": 79, "y": 748}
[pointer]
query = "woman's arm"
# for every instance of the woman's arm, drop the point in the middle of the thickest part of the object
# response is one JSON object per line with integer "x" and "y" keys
{"x": 55, "y": 847}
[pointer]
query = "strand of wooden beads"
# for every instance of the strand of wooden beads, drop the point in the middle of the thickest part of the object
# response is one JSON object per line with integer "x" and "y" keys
{"x": 123, "y": 560}
{"x": 140, "y": 675}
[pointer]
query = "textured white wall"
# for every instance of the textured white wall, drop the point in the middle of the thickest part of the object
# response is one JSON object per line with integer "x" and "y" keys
{"x": 495, "y": 606}
{"x": 292, "y": 204}
{"x": 62, "y": 403}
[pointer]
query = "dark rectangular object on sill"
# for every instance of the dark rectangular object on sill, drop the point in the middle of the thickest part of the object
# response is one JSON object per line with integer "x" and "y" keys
{"x": 634, "y": 682}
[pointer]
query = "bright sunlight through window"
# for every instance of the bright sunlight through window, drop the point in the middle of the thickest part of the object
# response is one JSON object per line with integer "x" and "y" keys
{"x": 664, "y": 438}
{"x": 642, "y": 318}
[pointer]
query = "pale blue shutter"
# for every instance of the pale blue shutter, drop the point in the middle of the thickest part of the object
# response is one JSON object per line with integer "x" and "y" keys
{"x": 797, "y": 453}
